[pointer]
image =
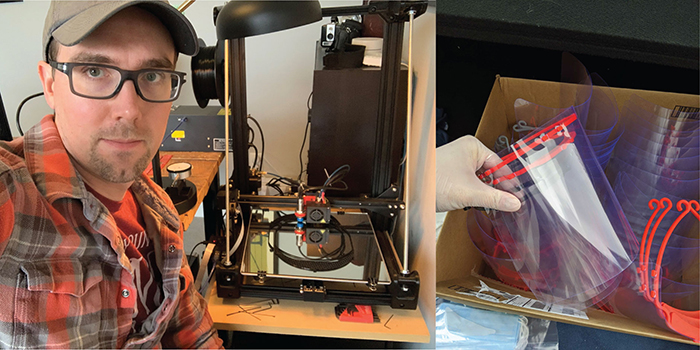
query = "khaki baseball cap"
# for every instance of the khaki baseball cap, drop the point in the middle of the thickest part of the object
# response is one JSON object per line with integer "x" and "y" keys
{"x": 69, "y": 22}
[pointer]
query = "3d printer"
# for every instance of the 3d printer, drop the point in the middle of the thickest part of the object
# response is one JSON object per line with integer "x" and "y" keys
{"x": 308, "y": 245}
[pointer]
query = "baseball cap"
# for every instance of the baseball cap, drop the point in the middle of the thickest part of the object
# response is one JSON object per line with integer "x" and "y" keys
{"x": 69, "y": 22}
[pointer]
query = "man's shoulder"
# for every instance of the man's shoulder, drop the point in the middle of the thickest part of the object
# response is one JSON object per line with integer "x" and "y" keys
{"x": 11, "y": 163}
{"x": 13, "y": 168}
{"x": 11, "y": 155}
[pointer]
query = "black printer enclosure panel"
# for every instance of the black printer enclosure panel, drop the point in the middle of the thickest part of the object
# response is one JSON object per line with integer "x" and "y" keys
{"x": 344, "y": 121}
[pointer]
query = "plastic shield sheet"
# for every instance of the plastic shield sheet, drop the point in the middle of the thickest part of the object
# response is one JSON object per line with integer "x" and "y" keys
{"x": 670, "y": 182}
{"x": 684, "y": 168}
{"x": 684, "y": 147}
{"x": 642, "y": 127}
{"x": 494, "y": 253}
{"x": 607, "y": 147}
{"x": 596, "y": 102}
{"x": 481, "y": 234}
{"x": 677, "y": 119}
{"x": 635, "y": 155}
{"x": 570, "y": 231}
{"x": 680, "y": 295}
{"x": 603, "y": 113}
{"x": 604, "y": 152}
{"x": 648, "y": 140}
{"x": 650, "y": 130}
{"x": 575, "y": 73}
{"x": 642, "y": 130}
{"x": 576, "y": 94}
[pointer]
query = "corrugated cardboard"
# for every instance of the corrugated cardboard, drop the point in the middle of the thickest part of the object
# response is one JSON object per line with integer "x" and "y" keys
{"x": 459, "y": 263}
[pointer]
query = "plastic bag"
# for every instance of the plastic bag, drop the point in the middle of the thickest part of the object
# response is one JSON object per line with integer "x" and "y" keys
{"x": 459, "y": 326}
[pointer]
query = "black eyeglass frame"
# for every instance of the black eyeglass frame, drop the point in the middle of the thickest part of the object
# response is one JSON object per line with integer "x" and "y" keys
{"x": 67, "y": 69}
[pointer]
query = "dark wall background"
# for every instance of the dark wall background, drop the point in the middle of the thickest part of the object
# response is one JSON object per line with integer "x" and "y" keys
{"x": 638, "y": 44}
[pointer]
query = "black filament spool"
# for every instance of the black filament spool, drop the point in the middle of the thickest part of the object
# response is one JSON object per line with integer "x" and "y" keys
{"x": 208, "y": 74}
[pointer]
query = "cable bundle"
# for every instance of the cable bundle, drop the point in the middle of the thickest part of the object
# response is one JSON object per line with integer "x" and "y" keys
{"x": 329, "y": 261}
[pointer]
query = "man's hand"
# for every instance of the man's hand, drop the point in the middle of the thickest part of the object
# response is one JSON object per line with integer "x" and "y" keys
{"x": 457, "y": 185}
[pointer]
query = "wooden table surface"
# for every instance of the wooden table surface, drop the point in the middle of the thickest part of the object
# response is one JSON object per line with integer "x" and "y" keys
{"x": 294, "y": 317}
{"x": 205, "y": 166}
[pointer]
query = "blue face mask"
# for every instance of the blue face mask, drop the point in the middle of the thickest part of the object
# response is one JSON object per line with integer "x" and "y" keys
{"x": 464, "y": 327}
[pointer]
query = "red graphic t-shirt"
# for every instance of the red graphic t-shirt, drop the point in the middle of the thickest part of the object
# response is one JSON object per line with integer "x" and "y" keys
{"x": 139, "y": 249}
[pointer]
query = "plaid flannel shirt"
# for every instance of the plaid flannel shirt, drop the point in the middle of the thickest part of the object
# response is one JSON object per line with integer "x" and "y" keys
{"x": 65, "y": 281}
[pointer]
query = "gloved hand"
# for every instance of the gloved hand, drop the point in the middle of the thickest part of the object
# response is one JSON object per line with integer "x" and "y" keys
{"x": 456, "y": 183}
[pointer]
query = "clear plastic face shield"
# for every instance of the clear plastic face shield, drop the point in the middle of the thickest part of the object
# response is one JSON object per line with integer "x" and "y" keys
{"x": 569, "y": 240}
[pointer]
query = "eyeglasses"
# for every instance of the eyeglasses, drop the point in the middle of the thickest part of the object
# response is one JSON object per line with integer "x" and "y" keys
{"x": 99, "y": 81}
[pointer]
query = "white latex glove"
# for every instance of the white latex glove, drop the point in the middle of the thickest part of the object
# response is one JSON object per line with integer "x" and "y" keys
{"x": 457, "y": 185}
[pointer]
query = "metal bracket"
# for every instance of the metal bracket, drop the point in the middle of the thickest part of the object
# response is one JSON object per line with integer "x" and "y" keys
{"x": 372, "y": 284}
{"x": 260, "y": 278}
{"x": 391, "y": 193}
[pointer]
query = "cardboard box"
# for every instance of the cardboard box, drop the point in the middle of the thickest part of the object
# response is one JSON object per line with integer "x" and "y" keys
{"x": 458, "y": 263}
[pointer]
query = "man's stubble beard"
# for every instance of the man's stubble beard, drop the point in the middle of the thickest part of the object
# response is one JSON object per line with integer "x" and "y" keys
{"x": 108, "y": 169}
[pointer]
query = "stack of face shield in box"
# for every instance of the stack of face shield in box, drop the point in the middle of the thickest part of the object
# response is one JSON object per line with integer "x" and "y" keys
{"x": 658, "y": 156}
{"x": 655, "y": 175}
{"x": 594, "y": 106}
{"x": 569, "y": 242}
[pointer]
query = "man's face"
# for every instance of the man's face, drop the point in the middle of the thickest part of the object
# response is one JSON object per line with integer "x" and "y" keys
{"x": 114, "y": 139}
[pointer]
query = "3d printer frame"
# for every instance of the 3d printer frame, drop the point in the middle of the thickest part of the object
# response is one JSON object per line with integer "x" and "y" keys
{"x": 383, "y": 206}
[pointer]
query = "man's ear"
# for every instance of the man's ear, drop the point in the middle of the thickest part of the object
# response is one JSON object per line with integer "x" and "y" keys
{"x": 46, "y": 75}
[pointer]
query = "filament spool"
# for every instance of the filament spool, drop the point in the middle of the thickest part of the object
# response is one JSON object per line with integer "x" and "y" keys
{"x": 207, "y": 74}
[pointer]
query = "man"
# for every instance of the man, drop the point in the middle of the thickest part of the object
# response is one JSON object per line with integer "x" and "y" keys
{"x": 91, "y": 253}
